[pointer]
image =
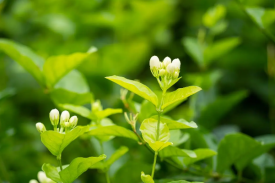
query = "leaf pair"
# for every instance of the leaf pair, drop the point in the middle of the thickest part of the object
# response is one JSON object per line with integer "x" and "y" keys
{"x": 72, "y": 171}
{"x": 146, "y": 93}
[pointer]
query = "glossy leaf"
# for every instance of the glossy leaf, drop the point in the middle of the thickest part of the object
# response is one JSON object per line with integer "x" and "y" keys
{"x": 116, "y": 155}
{"x": 56, "y": 142}
{"x": 25, "y": 57}
{"x": 113, "y": 130}
{"x": 200, "y": 155}
{"x": 148, "y": 129}
{"x": 56, "y": 67}
{"x": 77, "y": 167}
{"x": 178, "y": 95}
{"x": 175, "y": 151}
{"x": 180, "y": 124}
{"x": 146, "y": 178}
{"x": 136, "y": 87}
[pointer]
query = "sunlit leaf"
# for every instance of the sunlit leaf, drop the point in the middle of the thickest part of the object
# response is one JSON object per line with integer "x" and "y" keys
{"x": 107, "y": 112}
{"x": 25, "y": 57}
{"x": 200, "y": 155}
{"x": 180, "y": 124}
{"x": 178, "y": 95}
{"x": 116, "y": 155}
{"x": 175, "y": 151}
{"x": 56, "y": 142}
{"x": 52, "y": 172}
{"x": 136, "y": 87}
{"x": 146, "y": 178}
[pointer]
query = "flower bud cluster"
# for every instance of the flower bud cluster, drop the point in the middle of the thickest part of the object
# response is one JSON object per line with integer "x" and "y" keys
{"x": 167, "y": 70}
{"x": 66, "y": 123}
{"x": 42, "y": 178}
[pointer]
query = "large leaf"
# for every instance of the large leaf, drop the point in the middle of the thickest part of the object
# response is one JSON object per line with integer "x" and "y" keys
{"x": 136, "y": 87}
{"x": 56, "y": 67}
{"x": 25, "y": 57}
{"x": 175, "y": 151}
{"x": 200, "y": 155}
{"x": 146, "y": 178}
{"x": 180, "y": 124}
{"x": 63, "y": 96}
{"x": 113, "y": 130}
{"x": 56, "y": 142}
{"x": 179, "y": 95}
{"x": 116, "y": 155}
{"x": 148, "y": 129}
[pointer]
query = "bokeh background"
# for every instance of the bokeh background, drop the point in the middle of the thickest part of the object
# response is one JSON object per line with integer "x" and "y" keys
{"x": 236, "y": 73}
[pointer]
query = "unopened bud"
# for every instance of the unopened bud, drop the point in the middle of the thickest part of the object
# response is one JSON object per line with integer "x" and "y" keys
{"x": 162, "y": 72}
{"x": 40, "y": 127}
{"x": 176, "y": 75}
{"x": 154, "y": 62}
{"x": 166, "y": 61}
{"x": 67, "y": 124}
{"x": 65, "y": 116}
{"x": 176, "y": 63}
{"x": 170, "y": 68}
{"x": 33, "y": 181}
{"x": 42, "y": 177}
{"x": 96, "y": 106}
{"x": 73, "y": 121}
{"x": 54, "y": 117}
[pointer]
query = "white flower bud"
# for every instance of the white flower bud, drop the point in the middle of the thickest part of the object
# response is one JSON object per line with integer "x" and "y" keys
{"x": 73, "y": 121}
{"x": 166, "y": 61}
{"x": 33, "y": 181}
{"x": 170, "y": 68}
{"x": 54, "y": 117}
{"x": 65, "y": 117}
{"x": 162, "y": 72}
{"x": 40, "y": 127}
{"x": 42, "y": 176}
{"x": 154, "y": 62}
{"x": 67, "y": 124}
{"x": 176, "y": 75}
{"x": 96, "y": 106}
{"x": 176, "y": 63}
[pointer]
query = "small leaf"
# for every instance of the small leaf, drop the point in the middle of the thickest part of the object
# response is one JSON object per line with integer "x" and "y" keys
{"x": 146, "y": 178}
{"x": 107, "y": 112}
{"x": 148, "y": 129}
{"x": 56, "y": 142}
{"x": 178, "y": 95}
{"x": 52, "y": 172}
{"x": 63, "y": 96}
{"x": 194, "y": 49}
{"x": 77, "y": 167}
{"x": 175, "y": 151}
{"x": 56, "y": 67}
{"x": 116, "y": 155}
{"x": 113, "y": 130}
{"x": 80, "y": 110}
{"x": 136, "y": 87}
{"x": 200, "y": 155}
{"x": 180, "y": 124}
{"x": 213, "y": 15}
{"x": 183, "y": 181}
{"x": 25, "y": 57}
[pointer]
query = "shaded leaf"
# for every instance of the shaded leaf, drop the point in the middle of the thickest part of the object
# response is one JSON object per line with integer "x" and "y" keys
{"x": 116, "y": 155}
{"x": 200, "y": 155}
{"x": 80, "y": 110}
{"x": 175, "y": 151}
{"x": 194, "y": 49}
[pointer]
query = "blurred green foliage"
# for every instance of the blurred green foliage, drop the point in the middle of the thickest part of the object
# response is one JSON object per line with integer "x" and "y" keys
{"x": 225, "y": 46}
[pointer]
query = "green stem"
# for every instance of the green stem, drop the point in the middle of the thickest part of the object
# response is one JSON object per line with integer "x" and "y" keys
{"x": 106, "y": 169}
{"x": 107, "y": 176}
{"x": 157, "y": 137}
{"x": 154, "y": 164}
{"x": 60, "y": 162}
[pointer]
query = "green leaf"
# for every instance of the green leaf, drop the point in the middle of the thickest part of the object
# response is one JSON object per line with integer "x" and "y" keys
{"x": 77, "y": 167}
{"x": 173, "y": 125}
{"x": 107, "y": 112}
{"x": 146, "y": 178}
{"x": 220, "y": 48}
{"x": 148, "y": 129}
{"x": 194, "y": 49}
{"x": 213, "y": 15}
{"x": 56, "y": 67}
{"x": 80, "y": 110}
{"x": 52, "y": 172}
{"x": 56, "y": 142}
{"x": 120, "y": 152}
{"x": 183, "y": 181}
{"x": 175, "y": 151}
{"x": 63, "y": 96}
{"x": 113, "y": 130}
{"x": 233, "y": 148}
{"x": 200, "y": 155}
{"x": 136, "y": 87}
{"x": 179, "y": 95}
{"x": 25, "y": 57}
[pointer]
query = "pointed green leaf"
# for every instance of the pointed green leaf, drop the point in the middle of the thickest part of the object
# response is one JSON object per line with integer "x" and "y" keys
{"x": 116, "y": 155}
{"x": 179, "y": 95}
{"x": 77, "y": 167}
{"x": 25, "y": 57}
{"x": 200, "y": 155}
{"x": 52, "y": 172}
{"x": 113, "y": 130}
{"x": 146, "y": 178}
{"x": 56, "y": 67}
{"x": 180, "y": 124}
{"x": 80, "y": 110}
{"x": 56, "y": 142}
{"x": 175, "y": 151}
{"x": 148, "y": 129}
{"x": 136, "y": 87}
{"x": 107, "y": 112}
